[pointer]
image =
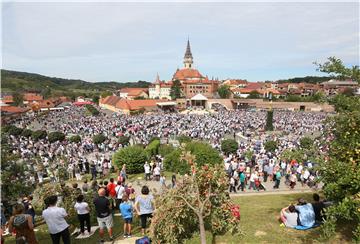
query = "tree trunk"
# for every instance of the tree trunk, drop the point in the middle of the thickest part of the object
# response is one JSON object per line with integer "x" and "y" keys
{"x": 202, "y": 229}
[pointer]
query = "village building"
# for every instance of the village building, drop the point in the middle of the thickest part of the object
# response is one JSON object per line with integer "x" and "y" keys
{"x": 133, "y": 93}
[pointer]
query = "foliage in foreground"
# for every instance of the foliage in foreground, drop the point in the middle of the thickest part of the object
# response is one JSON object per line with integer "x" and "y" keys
{"x": 340, "y": 173}
{"x": 200, "y": 202}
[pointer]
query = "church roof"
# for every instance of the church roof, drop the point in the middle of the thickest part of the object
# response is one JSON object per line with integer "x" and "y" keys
{"x": 182, "y": 74}
{"x": 188, "y": 53}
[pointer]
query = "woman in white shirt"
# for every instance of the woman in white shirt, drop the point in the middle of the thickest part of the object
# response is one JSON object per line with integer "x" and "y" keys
{"x": 82, "y": 209}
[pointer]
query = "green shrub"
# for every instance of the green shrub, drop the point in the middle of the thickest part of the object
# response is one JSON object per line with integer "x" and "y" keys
{"x": 56, "y": 136}
{"x": 124, "y": 140}
{"x": 165, "y": 149}
{"x": 26, "y": 133}
{"x": 92, "y": 110}
{"x": 133, "y": 156}
{"x": 306, "y": 142}
{"x": 6, "y": 128}
{"x": 99, "y": 138}
{"x": 229, "y": 146}
{"x": 204, "y": 153}
{"x": 75, "y": 139}
{"x": 15, "y": 131}
{"x": 38, "y": 135}
{"x": 270, "y": 146}
{"x": 173, "y": 163}
{"x": 184, "y": 139}
{"x": 153, "y": 148}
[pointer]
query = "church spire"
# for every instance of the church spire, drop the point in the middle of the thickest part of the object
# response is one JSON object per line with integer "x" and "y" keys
{"x": 188, "y": 58}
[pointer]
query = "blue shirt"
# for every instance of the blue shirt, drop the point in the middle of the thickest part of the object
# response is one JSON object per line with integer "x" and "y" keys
{"x": 126, "y": 210}
{"x": 306, "y": 215}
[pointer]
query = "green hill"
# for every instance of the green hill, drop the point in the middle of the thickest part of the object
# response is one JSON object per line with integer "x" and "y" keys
{"x": 12, "y": 81}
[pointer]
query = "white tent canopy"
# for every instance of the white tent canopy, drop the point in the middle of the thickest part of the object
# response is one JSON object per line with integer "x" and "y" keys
{"x": 199, "y": 97}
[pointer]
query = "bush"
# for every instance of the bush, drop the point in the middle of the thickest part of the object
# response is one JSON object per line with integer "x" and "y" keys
{"x": 165, "y": 149}
{"x": 306, "y": 142}
{"x": 26, "y": 133}
{"x": 204, "y": 153}
{"x": 269, "y": 121}
{"x": 92, "y": 110}
{"x": 184, "y": 139}
{"x": 153, "y": 148}
{"x": 99, "y": 138}
{"x": 270, "y": 146}
{"x": 133, "y": 156}
{"x": 229, "y": 146}
{"x": 6, "y": 128}
{"x": 56, "y": 136}
{"x": 124, "y": 140}
{"x": 15, "y": 131}
{"x": 38, "y": 135}
{"x": 75, "y": 139}
{"x": 173, "y": 163}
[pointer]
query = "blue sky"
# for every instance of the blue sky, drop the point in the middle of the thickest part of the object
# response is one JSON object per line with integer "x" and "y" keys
{"x": 134, "y": 41}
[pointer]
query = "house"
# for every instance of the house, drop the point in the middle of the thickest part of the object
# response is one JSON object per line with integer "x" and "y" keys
{"x": 32, "y": 97}
{"x": 132, "y": 93}
{"x": 235, "y": 83}
{"x": 333, "y": 87}
{"x": 160, "y": 89}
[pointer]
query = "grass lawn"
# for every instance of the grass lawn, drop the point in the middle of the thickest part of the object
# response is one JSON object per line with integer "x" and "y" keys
{"x": 258, "y": 223}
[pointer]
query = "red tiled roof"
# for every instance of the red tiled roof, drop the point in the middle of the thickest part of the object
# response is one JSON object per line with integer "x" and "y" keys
{"x": 32, "y": 97}
{"x": 137, "y": 104}
{"x": 134, "y": 91}
{"x": 7, "y": 99}
{"x": 111, "y": 100}
{"x": 13, "y": 109}
{"x": 254, "y": 85}
{"x": 183, "y": 74}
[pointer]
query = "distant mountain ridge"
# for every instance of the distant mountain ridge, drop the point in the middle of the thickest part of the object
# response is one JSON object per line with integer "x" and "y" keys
{"x": 12, "y": 81}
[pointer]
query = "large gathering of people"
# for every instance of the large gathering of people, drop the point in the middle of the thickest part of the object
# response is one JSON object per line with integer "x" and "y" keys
{"x": 45, "y": 160}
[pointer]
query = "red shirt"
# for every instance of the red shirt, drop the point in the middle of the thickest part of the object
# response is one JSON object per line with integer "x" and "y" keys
{"x": 111, "y": 189}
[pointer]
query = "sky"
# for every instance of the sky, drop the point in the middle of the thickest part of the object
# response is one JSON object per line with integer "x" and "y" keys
{"x": 135, "y": 41}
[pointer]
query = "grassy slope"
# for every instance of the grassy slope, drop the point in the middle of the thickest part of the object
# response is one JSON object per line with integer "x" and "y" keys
{"x": 258, "y": 220}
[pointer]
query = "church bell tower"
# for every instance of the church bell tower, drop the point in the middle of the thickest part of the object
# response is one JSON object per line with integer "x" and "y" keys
{"x": 188, "y": 58}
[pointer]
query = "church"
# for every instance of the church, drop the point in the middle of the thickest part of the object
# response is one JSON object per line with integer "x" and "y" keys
{"x": 192, "y": 81}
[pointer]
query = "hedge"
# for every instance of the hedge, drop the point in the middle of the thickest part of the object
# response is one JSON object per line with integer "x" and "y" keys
{"x": 133, "y": 156}
{"x": 56, "y": 136}
{"x": 99, "y": 138}
{"x": 152, "y": 148}
{"x": 75, "y": 139}
{"x": 229, "y": 146}
{"x": 204, "y": 153}
{"x": 39, "y": 134}
{"x": 173, "y": 163}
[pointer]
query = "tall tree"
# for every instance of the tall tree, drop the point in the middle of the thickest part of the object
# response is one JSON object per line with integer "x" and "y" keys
{"x": 106, "y": 94}
{"x": 18, "y": 98}
{"x": 336, "y": 68}
{"x": 175, "y": 91}
{"x": 224, "y": 91}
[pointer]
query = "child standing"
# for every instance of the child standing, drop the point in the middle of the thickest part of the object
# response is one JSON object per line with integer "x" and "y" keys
{"x": 126, "y": 210}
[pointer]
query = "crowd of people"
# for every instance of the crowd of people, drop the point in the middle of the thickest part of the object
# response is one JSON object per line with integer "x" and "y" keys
{"x": 76, "y": 159}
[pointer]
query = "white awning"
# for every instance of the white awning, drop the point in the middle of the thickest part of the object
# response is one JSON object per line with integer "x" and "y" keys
{"x": 166, "y": 104}
{"x": 199, "y": 97}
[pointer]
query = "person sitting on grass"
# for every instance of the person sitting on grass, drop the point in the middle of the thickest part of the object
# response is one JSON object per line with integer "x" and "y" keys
{"x": 289, "y": 216}
{"x": 126, "y": 210}
{"x": 306, "y": 213}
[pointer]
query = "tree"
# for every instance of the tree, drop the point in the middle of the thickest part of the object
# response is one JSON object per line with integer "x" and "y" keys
{"x": 18, "y": 99}
{"x": 254, "y": 95}
{"x": 199, "y": 203}
{"x": 269, "y": 121}
{"x": 56, "y": 136}
{"x": 46, "y": 92}
{"x": 152, "y": 148}
{"x": 270, "y": 146}
{"x": 336, "y": 68}
{"x": 173, "y": 163}
{"x": 124, "y": 140}
{"x": 306, "y": 143}
{"x": 92, "y": 110}
{"x": 344, "y": 103}
{"x": 38, "y": 135}
{"x": 204, "y": 153}
{"x": 229, "y": 146}
{"x": 133, "y": 156}
{"x": 340, "y": 171}
{"x": 99, "y": 138}
{"x": 175, "y": 90}
{"x": 95, "y": 99}
{"x": 224, "y": 91}
{"x": 106, "y": 94}
{"x": 75, "y": 139}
